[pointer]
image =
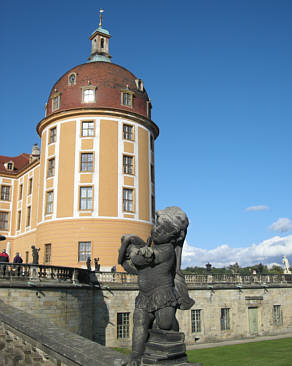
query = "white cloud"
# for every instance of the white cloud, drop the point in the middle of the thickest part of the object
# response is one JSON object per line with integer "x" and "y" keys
{"x": 267, "y": 252}
{"x": 283, "y": 224}
{"x": 257, "y": 208}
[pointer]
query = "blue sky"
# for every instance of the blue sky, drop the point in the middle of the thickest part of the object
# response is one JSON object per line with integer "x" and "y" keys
{"x": 219, "y": 76}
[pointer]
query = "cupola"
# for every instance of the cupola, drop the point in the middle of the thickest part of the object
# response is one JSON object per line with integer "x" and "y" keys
{"x": 100, "y": 43}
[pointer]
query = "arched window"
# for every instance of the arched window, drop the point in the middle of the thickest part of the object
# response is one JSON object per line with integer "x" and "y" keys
{"x": 102, "y": 43}
{"x": 72, "y": 79}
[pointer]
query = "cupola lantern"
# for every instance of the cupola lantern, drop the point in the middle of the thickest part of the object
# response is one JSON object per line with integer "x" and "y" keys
{"x": 100, "y": 43}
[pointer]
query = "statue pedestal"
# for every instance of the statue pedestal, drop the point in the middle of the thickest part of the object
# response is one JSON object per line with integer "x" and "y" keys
{"x": 166, "y": 348}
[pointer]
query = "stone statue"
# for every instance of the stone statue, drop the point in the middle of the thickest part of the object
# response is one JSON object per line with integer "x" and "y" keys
{"x": 96, "y": 265}
{"x": 162, "y": 288}
{"x": 35, "y": 255}
{"x": 286, "y": 265}
{"x": 88, "y": 264}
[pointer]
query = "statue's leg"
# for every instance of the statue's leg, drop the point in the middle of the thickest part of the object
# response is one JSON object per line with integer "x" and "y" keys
{"x": 142, "y": 322}
{"x": 165, "y": 318}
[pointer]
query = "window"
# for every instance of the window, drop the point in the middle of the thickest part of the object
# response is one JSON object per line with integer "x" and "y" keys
{"x": 28, "y": 214}
{"x": 26, "y": 256}
{"x": 47, "y": 258}
{"x": 10, "y": 166}
{"x": 102, "y": 43}
{"x": 277, "y": 315}
{"x": 5, "y": 193}
{"x": 4, "y": 221}
{"x": 127, "y": 99}
{"x": 84, "y": 251}
{"x": 151, "y": 143}
{"x": 128, "y": 132}
{"x": 196, "y": 321}
{"x": 89, "y": 95}
{"x": 148, "y": 109}
{"x": 72, "y": 79}
{"x": 56, "y": 102}
{"x": 30, "y": 186}
{"x": 49, "y": 202}
{"x": 85, "y": 198}
{"x": 139, "y": 84}
{"x": 152, "y": 173}
{"x": 128, "y": 166}
{"x": 53, "y": 135}
{"x": 153, "y": 206}
{"x": 87, "y": 129}
{"x": 20, "y": 192}
{"x": 86, "y": 162}
{"x": 123, "y": 325}
{"x": 128, "y": 200}
{"x": 19, "y": 220}
{"x": 225, "y": 319}
{"x": 51, "y": 167}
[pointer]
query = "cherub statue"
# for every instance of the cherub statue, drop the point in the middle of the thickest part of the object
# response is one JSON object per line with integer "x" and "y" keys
{"x": 162, "y": 288}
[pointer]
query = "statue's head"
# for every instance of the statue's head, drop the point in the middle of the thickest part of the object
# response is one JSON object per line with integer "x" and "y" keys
{"x": 170, "y": 226}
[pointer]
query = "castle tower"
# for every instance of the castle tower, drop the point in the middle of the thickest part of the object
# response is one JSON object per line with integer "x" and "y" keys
{"x": 93, "y": 178}
{"x": 97, "y": 161}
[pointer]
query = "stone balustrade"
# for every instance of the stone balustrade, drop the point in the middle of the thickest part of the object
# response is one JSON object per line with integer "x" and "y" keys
{"x": 238, "y": 279}
{"x": 10, "y": 271}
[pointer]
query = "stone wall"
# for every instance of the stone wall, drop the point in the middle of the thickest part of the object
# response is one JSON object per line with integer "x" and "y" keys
{"x": 70, "y": 307}
{"x": 210, "y": 302}
{"x": 92, "y": 312}
{"x": 239, "y": 301}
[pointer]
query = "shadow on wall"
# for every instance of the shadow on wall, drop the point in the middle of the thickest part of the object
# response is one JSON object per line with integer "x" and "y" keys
{"x": 100, "y": 318}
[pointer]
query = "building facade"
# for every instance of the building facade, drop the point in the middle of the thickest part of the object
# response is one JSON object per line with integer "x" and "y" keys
{"x": 93, "y": 178}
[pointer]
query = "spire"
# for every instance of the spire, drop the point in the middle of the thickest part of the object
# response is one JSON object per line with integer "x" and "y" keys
{"x": 100, "y": 18}
{"x": 100, "y": 42}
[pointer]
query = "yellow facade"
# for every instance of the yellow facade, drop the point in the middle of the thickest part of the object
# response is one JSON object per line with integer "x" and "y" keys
{"x": 72, "y": 203}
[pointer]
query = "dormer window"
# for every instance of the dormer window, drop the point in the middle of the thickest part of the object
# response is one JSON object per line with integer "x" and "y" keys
{"x": 148, "y": 108}
{"x": 9, "y": 165}
{"x": 139, "y": 84}
{"x": 72, "y": 78}
{"x": 56, "y": 101}
{"x": 127, "y": 97}
{"x": 88, "y": 94}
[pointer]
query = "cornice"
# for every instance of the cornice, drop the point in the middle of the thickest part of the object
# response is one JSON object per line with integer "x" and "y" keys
{"x": 112, "y": 112}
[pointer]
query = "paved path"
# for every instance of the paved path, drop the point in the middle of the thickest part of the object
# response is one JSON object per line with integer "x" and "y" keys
{"x": 239, "y": 341}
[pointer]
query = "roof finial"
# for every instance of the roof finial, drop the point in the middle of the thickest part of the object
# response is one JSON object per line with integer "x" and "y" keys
{"x": 100, "y": 18}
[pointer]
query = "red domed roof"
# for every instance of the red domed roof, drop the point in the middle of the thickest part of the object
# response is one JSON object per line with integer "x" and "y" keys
{"x": 109, "y": 79}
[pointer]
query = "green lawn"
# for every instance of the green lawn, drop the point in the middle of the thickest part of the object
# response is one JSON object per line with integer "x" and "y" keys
{"x": 266, "y": 353}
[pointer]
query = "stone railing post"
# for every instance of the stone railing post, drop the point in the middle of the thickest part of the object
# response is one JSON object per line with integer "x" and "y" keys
{"x": 210, "y": 278}
{"x": 75, "y": 276}
{"x": 33, "y": 272}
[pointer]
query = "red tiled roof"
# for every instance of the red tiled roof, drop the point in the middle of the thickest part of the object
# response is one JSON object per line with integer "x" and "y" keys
{"x": 108, "y": 78}
{"x": 19, "y": 161}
